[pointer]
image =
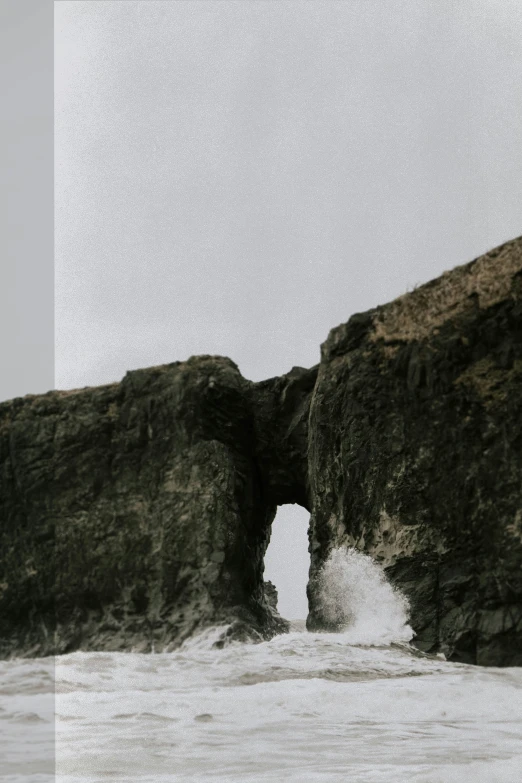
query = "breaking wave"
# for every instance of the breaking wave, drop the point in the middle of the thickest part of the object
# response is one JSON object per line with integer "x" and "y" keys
{"x": 359, "y": 705}
{"x": 355, "y": 597}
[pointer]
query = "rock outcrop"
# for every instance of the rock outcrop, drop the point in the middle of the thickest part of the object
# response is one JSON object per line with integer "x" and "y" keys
{"x": 133, "y": 514}
{"x": 415, "y": 454}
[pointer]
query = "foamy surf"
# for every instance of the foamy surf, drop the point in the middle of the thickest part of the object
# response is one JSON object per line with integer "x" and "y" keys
{"x": 359, "y": 706}
{"x": 355, "y": 596}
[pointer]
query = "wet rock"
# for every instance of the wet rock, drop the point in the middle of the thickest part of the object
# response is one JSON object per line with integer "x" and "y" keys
{"x": 271, "y": 594}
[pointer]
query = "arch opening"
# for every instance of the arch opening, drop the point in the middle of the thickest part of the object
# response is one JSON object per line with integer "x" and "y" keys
{"x": 287, "y": 560}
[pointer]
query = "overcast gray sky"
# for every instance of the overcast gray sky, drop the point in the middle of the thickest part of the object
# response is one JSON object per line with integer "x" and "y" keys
{"x": 238, "y": 177}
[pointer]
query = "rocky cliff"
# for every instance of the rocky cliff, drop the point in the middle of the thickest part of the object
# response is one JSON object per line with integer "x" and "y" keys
{"x": 415, "y": 454}
{"x": 134, "y": 513}
{"x": 131, "y": 514}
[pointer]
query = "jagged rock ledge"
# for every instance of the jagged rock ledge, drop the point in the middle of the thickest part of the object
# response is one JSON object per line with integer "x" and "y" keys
{"x": 135, "y": 513}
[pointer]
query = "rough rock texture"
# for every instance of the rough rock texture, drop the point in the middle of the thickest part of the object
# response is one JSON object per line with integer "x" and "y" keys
{"x": 415, "y": 454}
{"x": 281, "y": 411}
{"x": 133, "y": 514}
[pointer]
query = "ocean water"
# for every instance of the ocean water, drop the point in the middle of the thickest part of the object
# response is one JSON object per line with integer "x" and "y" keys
{"x": 361, "y": 706}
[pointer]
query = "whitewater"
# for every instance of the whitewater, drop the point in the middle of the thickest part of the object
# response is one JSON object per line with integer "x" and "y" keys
{"x": 359, "y": 706}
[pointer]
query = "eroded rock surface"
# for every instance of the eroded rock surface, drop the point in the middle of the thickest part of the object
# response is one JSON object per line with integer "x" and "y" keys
{"x": 415, "y": 454}
{"x": 133, "y": 514}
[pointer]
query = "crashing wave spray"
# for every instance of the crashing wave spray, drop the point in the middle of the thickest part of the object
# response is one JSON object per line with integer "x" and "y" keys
{"x": 355, "y": 598}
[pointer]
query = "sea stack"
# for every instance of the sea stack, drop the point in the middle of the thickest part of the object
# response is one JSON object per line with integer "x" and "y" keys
{"x": 133, "y": 514}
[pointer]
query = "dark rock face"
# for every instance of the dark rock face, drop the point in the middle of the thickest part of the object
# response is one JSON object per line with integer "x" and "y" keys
{"x": 135, "y": 513}
{"x": 281, "y": 411}
{"x": 415, "y": 454}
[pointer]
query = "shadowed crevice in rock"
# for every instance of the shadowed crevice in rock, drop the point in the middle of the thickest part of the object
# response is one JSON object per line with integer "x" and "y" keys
{"x": 281, "y": 409}
{"x": 133, "y": 514}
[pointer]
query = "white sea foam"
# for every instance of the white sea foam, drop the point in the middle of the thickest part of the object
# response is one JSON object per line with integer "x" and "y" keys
{"x": 303, "y": 707}
{"x": 355, "y": 596}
